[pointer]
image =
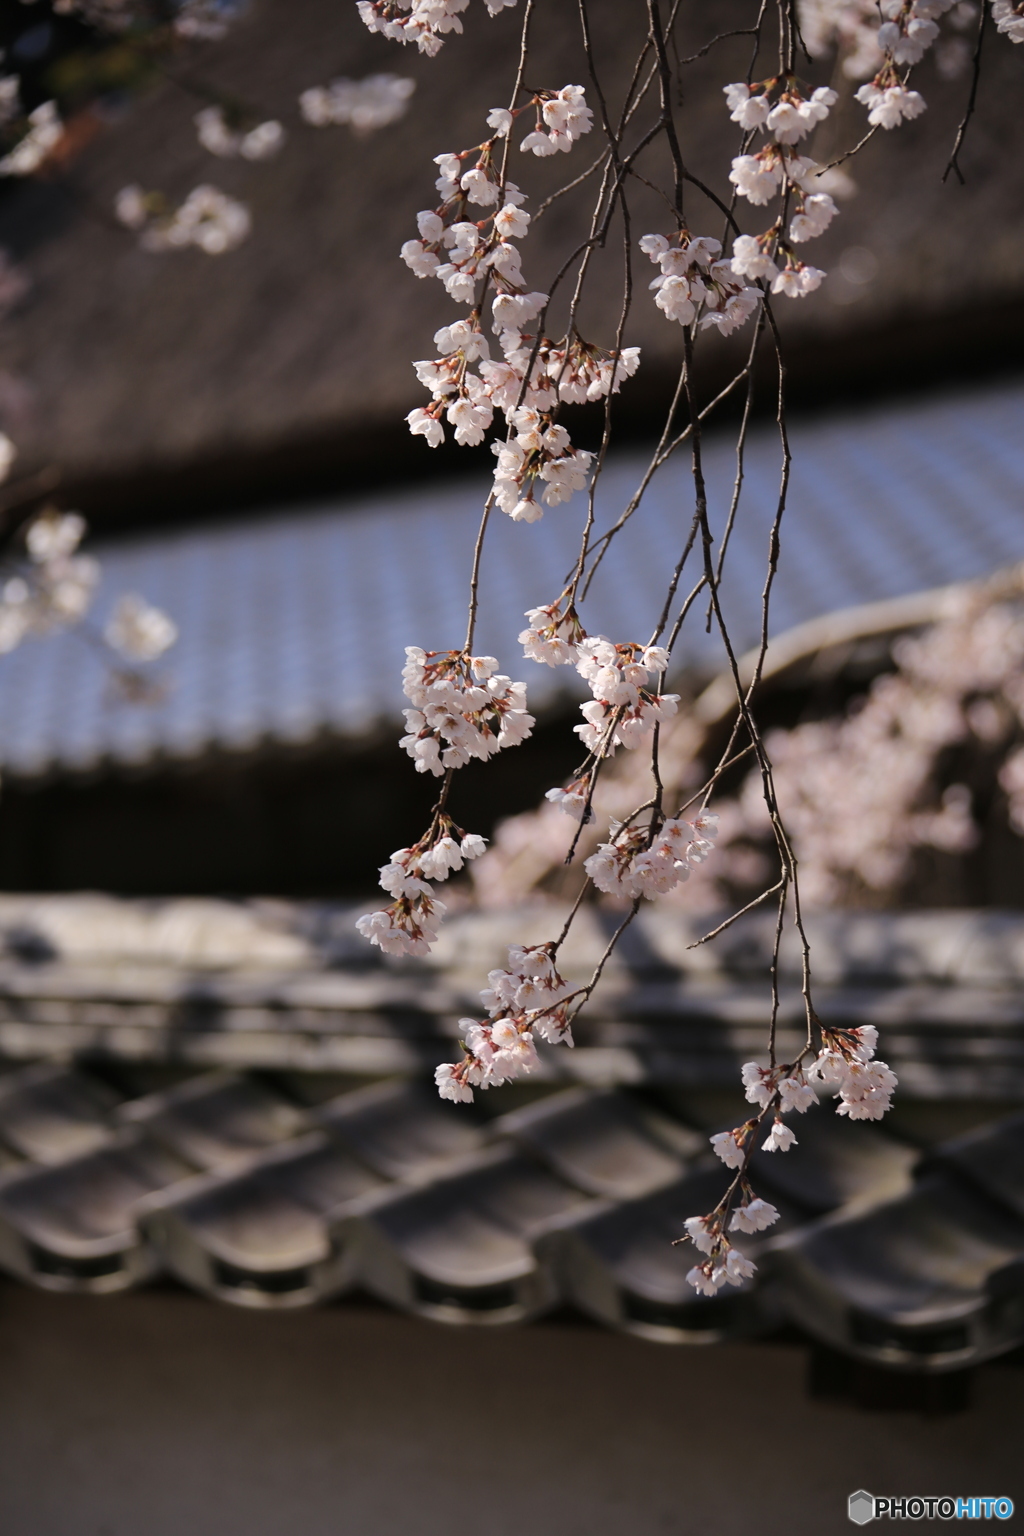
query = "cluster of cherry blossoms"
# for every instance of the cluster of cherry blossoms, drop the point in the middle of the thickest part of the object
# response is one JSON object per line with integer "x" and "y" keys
{"x": 409, "y": 926}
{"x": 526, "y": 1002}
{"x": 860, "y": 33}
{"x": 881, "y": 43}
{"x": 137, "y": 630}
{"x": 864, "y": 792}
{"x": 207, "y": 219}
{"x": 43, "y": 131}
{"x": 364, "y": 105}
{"x": 726, "y": 1265}
{"x": 552, "y": 636}
{"x": 55, "y": 587}
{"x": 844, "y": 1064}
{"x": 423, "y": 22}
{"x": 635, "y": 864}
{"x": 909, "y": 30}
{"x": 843, "y": 1067}
{"x": 1009, "y": 19}
{"x": 778, "y": 109}
{"x": 537, "y": 464}
{"x": 624, "y": 709}
{"x": 228, "y": 141}
{"x": 536, "y": 452}
{"x": 694, "y": 279}
{"x": 463, "y": 708}
{"x": 562, "y": 118}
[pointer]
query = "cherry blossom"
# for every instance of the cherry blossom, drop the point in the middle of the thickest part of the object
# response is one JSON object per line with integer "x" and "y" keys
{"x": 409, "y": 926}
{"x": 754, "y": 1216}
{"x": 137, "y": 630}
{"x": 625, "y": 708}
{"x": 537, "y": 453}
{"x": 257, "y": 143}
{"x": 573, "y": 798}
{"x": 423, "y": 22}
{"x": 553, "y": 636}
{"x": 473, "y": 257}
{"x": 693, "y": 280}
{"x": 44, "y": 131}
{"x": 780, "y": 1138}
{"x": 562, "y": 118}
{"x": 797, "y": 280}
{"x": 364, "y": 105}
{"x": 863, "y": 1086}
{"x": 817, "y": 210}
{"x": 208, "y": 219}
{"x": 890, "y": 105}
{"x": 525, "y": 1002}
{"x": 730, "y": 1146}
{"x": 725, "y": 1265}
{"x": 1008, "y": 16}
{"x": 463, "y": 709}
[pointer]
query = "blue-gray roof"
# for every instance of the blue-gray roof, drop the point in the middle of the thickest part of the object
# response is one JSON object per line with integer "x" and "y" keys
{"x": 294, "y": 623}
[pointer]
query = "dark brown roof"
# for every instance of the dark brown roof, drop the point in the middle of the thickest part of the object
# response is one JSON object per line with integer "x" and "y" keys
{"x": 292, "y": 353}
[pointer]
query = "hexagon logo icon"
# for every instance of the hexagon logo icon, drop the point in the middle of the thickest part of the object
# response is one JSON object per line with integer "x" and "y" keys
{"x": 861, "y": 1507}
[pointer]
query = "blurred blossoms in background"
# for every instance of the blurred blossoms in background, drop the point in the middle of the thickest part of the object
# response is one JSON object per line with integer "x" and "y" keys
{"x": 44, "y": 131}
{"x": 864, "y": 791}
{"x": 137, "y": 630}
{"x": 362, "y": 104}
{"x": 54, "y": 585}
{"x": 208, "y": 218}
{"x": 256, "y": 143}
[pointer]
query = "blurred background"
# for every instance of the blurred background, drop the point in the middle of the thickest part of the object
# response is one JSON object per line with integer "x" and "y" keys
{"x": 255, "y": 1271}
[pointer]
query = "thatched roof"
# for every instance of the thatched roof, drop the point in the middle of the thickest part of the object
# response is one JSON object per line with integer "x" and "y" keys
{"x": 291, "y": 354}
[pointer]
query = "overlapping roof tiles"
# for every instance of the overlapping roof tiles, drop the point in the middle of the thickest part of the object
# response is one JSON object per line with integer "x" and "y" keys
{"x": 242, "y": 1191}
{"x": 271, "y": 1185}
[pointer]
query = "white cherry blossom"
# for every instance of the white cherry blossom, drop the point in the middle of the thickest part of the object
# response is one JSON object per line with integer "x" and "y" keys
{"x": 563, "y": 117}
{"x": 139, "y": 631}
{"x": 45, "y": 130}
{"x": 364, "y": 105}
{"x": 730, "y": 1146}
{"x": 754, "y": 1216}
{"x": 553, "y": 635}
{"x": 780, "y": 1138}
{"x": 746, "y": 108}
{"x": 891, "y": 105}
{"x": 257, "y": 143}
{"x": 797, "y": 280}
{"x": 1009, "y": 19}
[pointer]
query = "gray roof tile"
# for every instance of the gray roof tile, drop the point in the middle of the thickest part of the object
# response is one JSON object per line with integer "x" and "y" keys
{"x": 577, "y": 1197}
{"x": 908, "y": 1284}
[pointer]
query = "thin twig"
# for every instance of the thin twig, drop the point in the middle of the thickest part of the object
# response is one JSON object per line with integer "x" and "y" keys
{"x": 741, "y": 913}
{"x": 961, "y": 133}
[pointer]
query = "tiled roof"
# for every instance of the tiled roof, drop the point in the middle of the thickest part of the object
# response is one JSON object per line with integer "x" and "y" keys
{"x": 281, "y": 636}
{"x": 316, "y": 1158}
{"x": 244, "y": 1192}
{"x": 291, "y": 986}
